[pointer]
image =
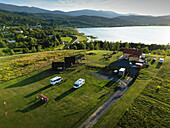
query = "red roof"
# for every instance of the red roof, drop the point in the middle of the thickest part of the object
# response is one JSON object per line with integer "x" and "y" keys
{"x": 135, "y": 52}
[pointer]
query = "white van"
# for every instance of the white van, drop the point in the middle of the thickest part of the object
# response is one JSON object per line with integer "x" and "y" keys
{"x": 161, "y": 60}
{"x": 55, "y": 80}
{"x": 79, "y": 83}
{"x": 122, "y": 71}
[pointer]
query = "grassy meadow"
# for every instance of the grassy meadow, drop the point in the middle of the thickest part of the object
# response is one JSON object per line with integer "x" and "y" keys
{"x": 99, "y": 59}
{"x": 66, "y": 106}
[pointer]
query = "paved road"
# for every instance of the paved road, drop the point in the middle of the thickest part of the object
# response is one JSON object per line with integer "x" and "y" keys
{"x": 106, "y": 105}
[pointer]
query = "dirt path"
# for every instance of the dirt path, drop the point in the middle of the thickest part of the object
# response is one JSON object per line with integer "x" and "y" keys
{"x": 106, "y": 105}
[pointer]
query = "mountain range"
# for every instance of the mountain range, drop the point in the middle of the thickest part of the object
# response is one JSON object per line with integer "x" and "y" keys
{"x": 21, "y": 15}
{"x": 14, "y": 8}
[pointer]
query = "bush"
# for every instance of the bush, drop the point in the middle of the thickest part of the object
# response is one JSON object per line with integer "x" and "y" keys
{"x": 25, "y": 50}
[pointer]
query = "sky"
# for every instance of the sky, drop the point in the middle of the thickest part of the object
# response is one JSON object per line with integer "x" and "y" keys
{"x": 142, "y": 7}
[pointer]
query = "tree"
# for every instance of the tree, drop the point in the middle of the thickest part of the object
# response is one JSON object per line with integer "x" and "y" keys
{"x": 96, "y": 46}
{"x": 105, "y": 45}
{"x": 2, "y": 44}
{"x": 11, "y": 52}
{"x": 25, "y": 50}
{"x": 138, "y": 47}
{"x": 117, "y": 46}
{"x": 127, "y": 45}
{"x": 2, "y": 35}
{"x": 91, "y": 46}
{"x": 34, "y": 49}
{"x": 145, "y": 50}
{"x": 75, "y": 47}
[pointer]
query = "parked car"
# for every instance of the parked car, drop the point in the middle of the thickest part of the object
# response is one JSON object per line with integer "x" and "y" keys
{"x": 55, "y": 80}
{"x": 43, "y": 98}
{"x": 122, "y": 71}
{"x": 161, "y": 60}
{"x": 154, "y": 59}
{"x": 79, "y": 83}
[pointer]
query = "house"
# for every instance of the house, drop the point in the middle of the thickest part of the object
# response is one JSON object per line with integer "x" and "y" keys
{"x": 132, "y": 54}
{"x": 69, "y": 61}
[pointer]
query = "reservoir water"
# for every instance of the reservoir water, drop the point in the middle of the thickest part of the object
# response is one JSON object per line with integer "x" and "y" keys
{"x": 136, "y": 34}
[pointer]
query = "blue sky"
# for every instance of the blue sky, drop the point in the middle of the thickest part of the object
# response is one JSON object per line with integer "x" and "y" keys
{"x": 143, "y": 7}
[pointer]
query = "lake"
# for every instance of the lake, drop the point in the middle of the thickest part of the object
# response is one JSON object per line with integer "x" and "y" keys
{"x": 136, "y": 34}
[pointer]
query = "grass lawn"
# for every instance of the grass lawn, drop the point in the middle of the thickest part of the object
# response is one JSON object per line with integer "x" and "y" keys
{"x": 98, "y": 57}
{"x": 66, "y": 39}
{"x": 112, "y": 116}
{"x": 81, "y": 38}
{"x": 65, "y": 107}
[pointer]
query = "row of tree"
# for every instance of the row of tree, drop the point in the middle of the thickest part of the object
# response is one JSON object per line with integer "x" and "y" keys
{"x": 117, "y": 46}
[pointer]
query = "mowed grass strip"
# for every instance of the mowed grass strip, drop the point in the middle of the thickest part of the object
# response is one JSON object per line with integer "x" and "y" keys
{"x": 112, "y": 116}
{"x": 65, "y": 107}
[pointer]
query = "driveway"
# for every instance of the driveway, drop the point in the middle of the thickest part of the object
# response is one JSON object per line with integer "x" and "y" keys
{"x": 107, "y": 104}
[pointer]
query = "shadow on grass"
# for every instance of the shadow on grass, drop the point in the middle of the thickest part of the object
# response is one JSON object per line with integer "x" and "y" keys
{"x": 44, "y": 88}
{"x": 152, "y": 62}
{"x": 39, "y": 90}
{"x": 109, "y": 84}
{"x": 71, "y": 114}
{"x": 32, "y": 107}
{"x": 33, "y": 79}
{"x": 158, "y": 65}
{"x": 64, "y": 94}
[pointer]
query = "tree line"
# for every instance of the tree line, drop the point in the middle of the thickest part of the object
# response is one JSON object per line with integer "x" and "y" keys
{"x": 120, "y": 46}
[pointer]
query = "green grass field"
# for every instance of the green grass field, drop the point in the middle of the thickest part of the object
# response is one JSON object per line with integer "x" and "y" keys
{"x": 81, "y": 38}
{"x": 66, "y": 105}
{"x": 66, "y": 39}
{"x": 98, "y": 57}
{"x": 111, "y": 117}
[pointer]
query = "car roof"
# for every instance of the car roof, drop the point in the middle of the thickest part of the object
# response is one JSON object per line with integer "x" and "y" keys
{"x": 79, "y": 80}
{"x": 57, "y": 77}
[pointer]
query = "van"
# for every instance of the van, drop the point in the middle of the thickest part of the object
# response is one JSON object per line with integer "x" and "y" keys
{"x": 122, "y": 71}
{"x": 161, "y": 60}
{"x": 79, "y": 83}
{"x": 55, "y": 80}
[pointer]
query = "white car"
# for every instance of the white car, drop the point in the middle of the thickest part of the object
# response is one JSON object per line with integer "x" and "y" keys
{"x": 55, "y": 80}
{"x": 161, "y": 60}
{"x": 79, "y": 83}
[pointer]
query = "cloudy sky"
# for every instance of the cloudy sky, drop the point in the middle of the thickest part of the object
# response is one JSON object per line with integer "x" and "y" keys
{"x": 144, "y": 7}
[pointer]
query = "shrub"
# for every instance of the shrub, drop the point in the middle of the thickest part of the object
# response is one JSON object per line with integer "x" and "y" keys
{"x": 25, "y": 50}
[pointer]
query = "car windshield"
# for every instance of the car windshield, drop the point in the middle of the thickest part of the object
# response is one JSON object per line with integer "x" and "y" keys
{"x": 76, "y": 85}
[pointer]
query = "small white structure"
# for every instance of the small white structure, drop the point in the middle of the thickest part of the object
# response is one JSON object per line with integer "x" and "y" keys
{"x": 19, "y": 31}
{"x": 12, "y": 41}
{"x": 55, "y": 80}
{"x": 122, "y": 71}
{"x": 79, "y": 83}
{"x": 161, "y": 60}
{"x": 50, "y": 35}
